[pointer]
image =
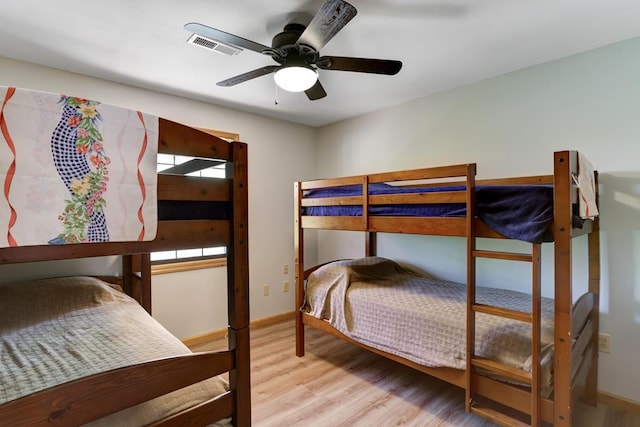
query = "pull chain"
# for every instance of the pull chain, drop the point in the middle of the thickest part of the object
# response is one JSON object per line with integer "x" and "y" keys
{"x": 276, "y": 94}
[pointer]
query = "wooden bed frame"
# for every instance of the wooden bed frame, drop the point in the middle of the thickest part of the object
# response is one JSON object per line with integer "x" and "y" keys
{"x": 576, "y": 325}
{"x": 89, "y": 398}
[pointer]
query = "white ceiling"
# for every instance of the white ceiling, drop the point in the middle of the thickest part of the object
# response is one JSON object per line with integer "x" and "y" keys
{"x": 442, "y": 44}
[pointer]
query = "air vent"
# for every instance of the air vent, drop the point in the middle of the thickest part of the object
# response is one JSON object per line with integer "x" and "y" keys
{"x": 213, "y": 45}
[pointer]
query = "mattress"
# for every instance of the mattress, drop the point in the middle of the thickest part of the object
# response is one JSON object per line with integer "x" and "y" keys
{"x": 379, "y": 303}
{"x": 518, "y": 212}
{"x": 61, "y": 329}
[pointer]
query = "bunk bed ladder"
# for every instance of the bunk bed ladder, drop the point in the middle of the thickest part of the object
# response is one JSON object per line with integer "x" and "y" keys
{"x": 475, "y": 363}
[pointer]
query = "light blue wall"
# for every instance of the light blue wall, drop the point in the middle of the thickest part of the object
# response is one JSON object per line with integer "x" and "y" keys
{"x": 510, "y": 126}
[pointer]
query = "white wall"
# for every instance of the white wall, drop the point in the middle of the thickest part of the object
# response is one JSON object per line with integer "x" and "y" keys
{"x": 511, "y": 125}
{"x": 279, "y": 153}
{"x": 190, "y": 303}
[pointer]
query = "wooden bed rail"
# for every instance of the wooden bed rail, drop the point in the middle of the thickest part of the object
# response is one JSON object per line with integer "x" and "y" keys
{"x": 74, "y": 403}
{"x": 176, "y": 138}
{"x": 176, "y": 233}
{"x": 395, "y": 177}
{"x": 414, "y": 225}
{"x": 520, "y": 180}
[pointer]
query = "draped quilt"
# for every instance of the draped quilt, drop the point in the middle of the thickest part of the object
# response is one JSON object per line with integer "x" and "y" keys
{"x": 377, "y": 302}
{"x": 75, "y": 170}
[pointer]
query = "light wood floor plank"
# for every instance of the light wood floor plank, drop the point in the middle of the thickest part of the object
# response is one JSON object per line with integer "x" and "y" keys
{"x": 337, "y": 384}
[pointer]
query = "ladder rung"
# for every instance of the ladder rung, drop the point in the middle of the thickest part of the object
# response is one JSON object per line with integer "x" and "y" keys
{"x": 502, "y": 312}
{"x": 497, "y": 417}
{"x": 502, "y": 370}
{"x": 511, "y": 256}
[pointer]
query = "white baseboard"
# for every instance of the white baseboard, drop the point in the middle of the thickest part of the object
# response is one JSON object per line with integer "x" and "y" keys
{"x": 618, "y": 402}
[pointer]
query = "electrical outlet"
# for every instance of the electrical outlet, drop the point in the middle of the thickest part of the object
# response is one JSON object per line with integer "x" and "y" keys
{"x": 265, "y": 290}
{"x": 285, "y": 268}
{"x": 285, "y": 286}
{"x": 604, "y": 343}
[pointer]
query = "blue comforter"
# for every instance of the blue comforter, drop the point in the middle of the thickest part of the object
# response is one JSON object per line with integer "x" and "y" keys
{"x": 518, "y": 212}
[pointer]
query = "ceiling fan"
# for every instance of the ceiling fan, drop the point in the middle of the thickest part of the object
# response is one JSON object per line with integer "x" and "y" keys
{"x": 297, "y": 51}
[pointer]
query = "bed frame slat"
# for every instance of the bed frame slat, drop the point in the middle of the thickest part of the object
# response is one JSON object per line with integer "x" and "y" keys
{"x": 511, "y": 395}
{"x": 521, "y": 316}
{"x": 438, "y": 172}
{"x": 418, "y": 198}
{"x": 497, "y": 417}
{"x": 415, "y": 225}
{"x": 581, "y": 312}
{"x": 333, "y": 201}
{"x": 179, "y": 187}
{"x": 579, "y": 348}
{"x": 76, "y": 402}
{"x": 191, "y": 234}
{"x": 175, "y": 138}
{"x": 502, "y": 369}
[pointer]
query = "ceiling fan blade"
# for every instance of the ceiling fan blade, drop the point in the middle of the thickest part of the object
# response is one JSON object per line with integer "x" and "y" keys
{"x": 332, "y": 16}
{"x": 215, "y": 34}
{"x": 316, "y": 91}
{"x": 240, "y": 78}
{"x": 360, "y": 65}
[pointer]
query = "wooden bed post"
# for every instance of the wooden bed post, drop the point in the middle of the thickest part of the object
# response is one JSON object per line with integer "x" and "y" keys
{"x": 370, "y": 237}
{"x": 591, "y": 392}
{"x": 564, "y": 163}
{"x": 136, "y": 278}
{"x": 298, "y": 253}
{"x": 536, "y": 328}
{"x": 370, "y": 243}
{"x": 145, "y": 280}
{"x": 127, "y": 274}
{"x": 238, "y": 287}
{"x": 471, "y": 282}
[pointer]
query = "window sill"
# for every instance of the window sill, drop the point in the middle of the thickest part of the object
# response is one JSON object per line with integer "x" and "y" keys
{"x": 175, "y": 267}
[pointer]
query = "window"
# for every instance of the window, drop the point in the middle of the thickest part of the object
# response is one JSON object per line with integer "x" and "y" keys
{"x": 190, "y": 259}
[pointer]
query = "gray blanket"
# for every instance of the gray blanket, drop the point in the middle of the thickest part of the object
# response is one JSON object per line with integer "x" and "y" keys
{"x": 57, "y": 330}
{"x": 383, "y": 305}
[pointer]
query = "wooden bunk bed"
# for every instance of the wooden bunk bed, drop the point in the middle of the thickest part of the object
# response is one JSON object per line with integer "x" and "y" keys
{"x": 360, "y": 205}
{"x": 193, "y": 212}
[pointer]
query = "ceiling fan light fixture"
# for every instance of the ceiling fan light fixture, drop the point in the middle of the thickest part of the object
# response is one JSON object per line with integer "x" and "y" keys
{"x": 297, "y": 78}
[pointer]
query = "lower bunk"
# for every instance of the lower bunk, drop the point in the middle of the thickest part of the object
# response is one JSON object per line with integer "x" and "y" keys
{"x": 420, "y": 322}
{"x": 78, "y": 350}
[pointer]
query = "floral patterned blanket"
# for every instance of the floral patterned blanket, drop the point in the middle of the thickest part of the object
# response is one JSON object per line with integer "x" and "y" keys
{"x": 75, "y": 170}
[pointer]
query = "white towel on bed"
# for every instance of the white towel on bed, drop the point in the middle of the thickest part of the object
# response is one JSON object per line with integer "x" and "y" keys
{"x": 587, "y": 188}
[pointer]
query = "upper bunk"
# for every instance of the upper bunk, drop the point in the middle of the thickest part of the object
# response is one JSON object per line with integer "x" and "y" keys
{"x": 191, "y": 211}
{"x": 62, "y": 156}
{"x": 455, "y": 203}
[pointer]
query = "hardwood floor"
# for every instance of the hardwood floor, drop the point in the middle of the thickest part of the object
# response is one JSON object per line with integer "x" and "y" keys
{"x": 338, "y": 384}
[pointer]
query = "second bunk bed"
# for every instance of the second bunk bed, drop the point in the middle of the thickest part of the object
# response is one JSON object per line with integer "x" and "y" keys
{"x": 559, "y": 334}
{"x": 84, "y": 349}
